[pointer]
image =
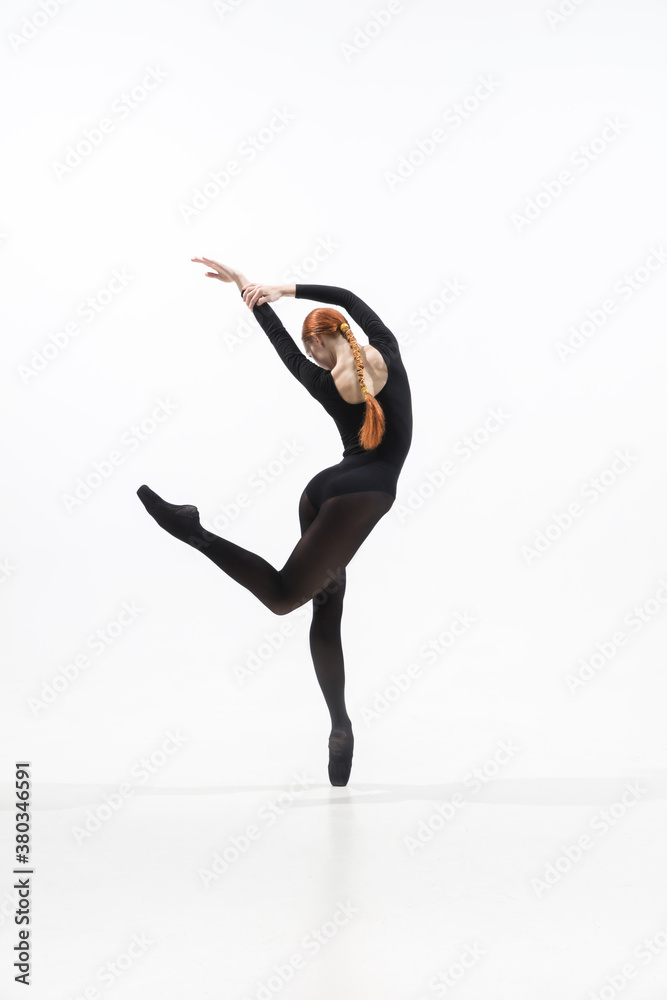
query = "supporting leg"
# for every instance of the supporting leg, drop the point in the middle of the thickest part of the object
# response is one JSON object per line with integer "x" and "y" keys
{"x": 327, "y": 649}
{"x": 327, "y": 652}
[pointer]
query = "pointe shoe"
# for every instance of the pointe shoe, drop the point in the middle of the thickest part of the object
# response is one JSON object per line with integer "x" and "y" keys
{"x": 180, "y": 520}
{"x": 341, "y": 749}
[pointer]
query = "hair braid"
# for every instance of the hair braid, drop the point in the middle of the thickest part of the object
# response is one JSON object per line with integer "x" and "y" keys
{"x": 373, "y": 427}
{"x": 352, "y": 341}
{"x": 329, "y": 323}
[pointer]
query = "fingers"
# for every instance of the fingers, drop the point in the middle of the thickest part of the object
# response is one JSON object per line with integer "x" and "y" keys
{"x": 209, "y": 274}
{"x": 254, "y": 294}
{"x": 201, "y": 260}
{"x": 220, "y": 268}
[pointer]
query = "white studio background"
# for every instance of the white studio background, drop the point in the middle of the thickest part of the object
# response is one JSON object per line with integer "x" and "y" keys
{"x": 489, "y": 177}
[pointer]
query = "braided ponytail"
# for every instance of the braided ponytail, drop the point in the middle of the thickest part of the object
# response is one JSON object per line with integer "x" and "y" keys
{"x": 327, "y": 322}
{"x": 372, "y": 430}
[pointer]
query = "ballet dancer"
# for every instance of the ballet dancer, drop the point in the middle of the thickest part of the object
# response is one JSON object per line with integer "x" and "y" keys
{"x": 366, "y": 391}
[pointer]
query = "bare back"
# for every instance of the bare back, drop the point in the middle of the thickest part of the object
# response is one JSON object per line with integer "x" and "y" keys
{"x": 375, "y": 375}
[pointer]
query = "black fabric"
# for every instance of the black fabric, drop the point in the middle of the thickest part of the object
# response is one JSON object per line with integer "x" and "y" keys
{"x": 315, "y": 570}
{"x": 326, "y": 546}
{"x": 347, "y": 502}
{"x": 395, "y": 398}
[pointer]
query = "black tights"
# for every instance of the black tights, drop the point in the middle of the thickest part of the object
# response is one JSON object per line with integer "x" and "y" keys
{"x": 315, "y": 570}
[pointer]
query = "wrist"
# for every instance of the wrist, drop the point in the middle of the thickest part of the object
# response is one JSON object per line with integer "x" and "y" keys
{"x": 287, "y": 289}
{"x": 241, "y": 281}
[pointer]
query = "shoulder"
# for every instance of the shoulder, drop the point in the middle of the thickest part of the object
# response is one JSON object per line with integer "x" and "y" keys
{"x": 374, "y": 357}
{"x": 320, "y": 382}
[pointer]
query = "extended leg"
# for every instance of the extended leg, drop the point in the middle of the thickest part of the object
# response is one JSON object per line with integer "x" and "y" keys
{"x": 325, "y": 548}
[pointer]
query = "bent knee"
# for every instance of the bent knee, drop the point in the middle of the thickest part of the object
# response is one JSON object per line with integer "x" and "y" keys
{"x": 286, "y": 603}
{"x": 281, "y": 607}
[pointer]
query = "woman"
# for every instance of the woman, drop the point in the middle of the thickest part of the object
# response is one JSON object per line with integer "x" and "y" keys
{"x": 366, "y": 391}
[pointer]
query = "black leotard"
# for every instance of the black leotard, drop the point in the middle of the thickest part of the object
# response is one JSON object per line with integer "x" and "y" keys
{"x": 359, "y": 470}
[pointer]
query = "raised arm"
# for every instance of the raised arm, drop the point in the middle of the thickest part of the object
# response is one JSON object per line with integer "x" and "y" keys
{"x": 378, "y": 334}
{"x": 314, "y": 378}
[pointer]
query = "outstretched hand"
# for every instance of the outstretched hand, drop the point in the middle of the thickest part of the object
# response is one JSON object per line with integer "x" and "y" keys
{"x": 221, "y": 271}
{"x": 253, "y": 293}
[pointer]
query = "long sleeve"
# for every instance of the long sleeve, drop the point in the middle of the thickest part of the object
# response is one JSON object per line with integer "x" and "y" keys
{"x": 314, "y": 378}
{"x": 378, "y": 334}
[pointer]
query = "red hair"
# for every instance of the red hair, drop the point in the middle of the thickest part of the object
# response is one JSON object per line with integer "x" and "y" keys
{"x": 331, "y": 323}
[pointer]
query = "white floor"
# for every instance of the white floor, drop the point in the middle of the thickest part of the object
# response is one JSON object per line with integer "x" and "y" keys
{"x": 256, "y": 887}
